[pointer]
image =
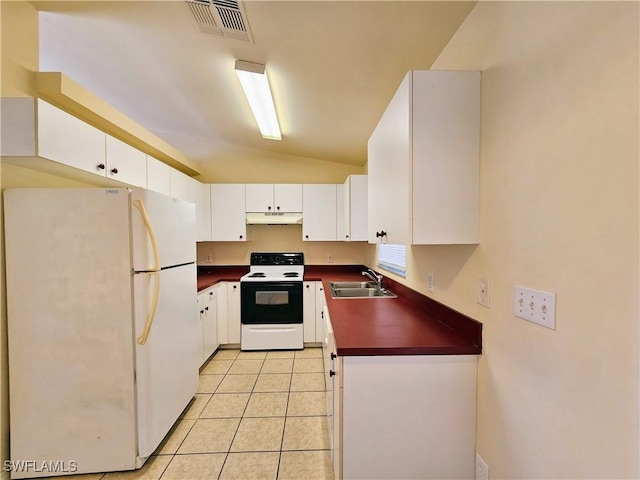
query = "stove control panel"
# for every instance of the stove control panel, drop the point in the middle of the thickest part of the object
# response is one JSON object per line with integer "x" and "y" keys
{"x": 277, "y": 258}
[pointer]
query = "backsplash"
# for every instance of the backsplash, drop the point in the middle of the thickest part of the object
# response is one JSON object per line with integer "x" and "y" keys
{"x": 283, "y": 238}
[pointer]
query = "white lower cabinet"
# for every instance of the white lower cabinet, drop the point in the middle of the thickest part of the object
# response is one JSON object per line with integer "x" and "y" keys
{"x": 233, "y": 312}
{"x": 400, "y": 416}
{"x": 321, "y": 302}
{"x": 309, "y": 311}
{"x": 228, "y": 312}
{"x": 208, "y": 322}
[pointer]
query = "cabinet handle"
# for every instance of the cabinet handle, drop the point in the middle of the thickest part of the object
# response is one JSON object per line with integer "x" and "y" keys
{"x": 332, "y": 373}
{"x": 101, "y": 166}
{"x": 333, "y": 356}
{"x": 114, "y": 170}
{"x": 381, "y": 233}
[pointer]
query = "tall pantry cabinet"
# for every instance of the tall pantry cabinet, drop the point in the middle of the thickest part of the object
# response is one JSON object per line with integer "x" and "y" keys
{"x": 423, "y": 161}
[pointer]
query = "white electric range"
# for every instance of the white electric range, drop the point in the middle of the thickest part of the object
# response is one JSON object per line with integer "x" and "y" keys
{"x": 271, "y": 307}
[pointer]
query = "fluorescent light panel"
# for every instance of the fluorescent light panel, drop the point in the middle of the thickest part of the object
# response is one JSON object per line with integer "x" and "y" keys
{"x": 255, "y": 84}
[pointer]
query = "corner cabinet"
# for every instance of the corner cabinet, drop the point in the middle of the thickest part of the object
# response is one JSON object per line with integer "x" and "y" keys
{"x": 423, "y": 161}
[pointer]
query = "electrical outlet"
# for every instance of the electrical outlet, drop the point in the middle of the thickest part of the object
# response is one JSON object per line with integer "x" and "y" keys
{"x": 330, "y": 258}
{"x": 535, "y": 306}
{"x": 208, "y": 258}
{"x": 483, "y": 291}
{"x": 430, "y": 282}
{"x": 482, "y": 469}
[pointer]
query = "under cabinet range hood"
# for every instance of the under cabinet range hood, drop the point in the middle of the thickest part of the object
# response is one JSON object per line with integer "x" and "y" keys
{"x": 274, "y": 218}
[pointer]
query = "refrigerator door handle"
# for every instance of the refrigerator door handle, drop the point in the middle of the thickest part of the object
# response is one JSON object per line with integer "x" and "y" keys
{"x": 152, "y": 234}
{"x": 142, "y": 339}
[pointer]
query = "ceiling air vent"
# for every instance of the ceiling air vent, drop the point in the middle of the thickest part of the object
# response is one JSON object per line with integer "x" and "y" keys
{"x": 220, "y": 17}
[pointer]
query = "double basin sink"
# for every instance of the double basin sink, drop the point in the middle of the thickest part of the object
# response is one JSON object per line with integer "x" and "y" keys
{"x": 358, "y": 290}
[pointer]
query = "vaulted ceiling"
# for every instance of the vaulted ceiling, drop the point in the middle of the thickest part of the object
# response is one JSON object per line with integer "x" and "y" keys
{"x": 333, "y": 67}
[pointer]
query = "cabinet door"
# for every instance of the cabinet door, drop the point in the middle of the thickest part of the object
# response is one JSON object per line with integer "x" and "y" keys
{"x": 357, "y": 207}
{"x": 259, "y": 197}
{"x": 228, "y": 214}
{"x": 389, "y": 172}
{"x": 321, "y": 302}
{"x": 210, "y": 324}
{"x": 67, "y": 139}
{"x": 287, "y": 197}
{"x": 233, "y": 312}
{"x": 200, "y": 343}
{"x": 179, "y": 184}
{"x": 319, "y": 212}
{"x": 203, "y": 211}
{"x": 446, "y": 146}
{"x": 125, "y": 163}
{"x": 158, "y": 176}
{"x": 221, "y": 314}
{"x": 309, "y": 312}
{"x": 341, "y": 233}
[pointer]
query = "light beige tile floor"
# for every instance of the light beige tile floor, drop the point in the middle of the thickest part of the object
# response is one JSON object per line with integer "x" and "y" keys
{"x": 257, "y": 415}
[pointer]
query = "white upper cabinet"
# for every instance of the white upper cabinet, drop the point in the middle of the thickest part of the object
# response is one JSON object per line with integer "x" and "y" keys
{"x": 125, "y": 163}
{"x": 158, "y": 176}
{"x": 67, "y": 139}
{"x": 200, "y": 194}
{"x": 267, "y": 197}
{"x": 180, "y": 184}
{"x": 423, "y": 161}
{"x": 319, "y": 207}
{"x": 355, "y": 212}
{"x": 228, "y": 214}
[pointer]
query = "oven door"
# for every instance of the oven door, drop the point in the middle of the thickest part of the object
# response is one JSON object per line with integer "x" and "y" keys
{"x": 270, "y": 303}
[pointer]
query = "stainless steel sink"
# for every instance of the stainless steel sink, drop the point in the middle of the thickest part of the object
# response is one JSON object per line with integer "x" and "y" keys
{"x": 370, "y": 290}
{"x": 352, "y": 285}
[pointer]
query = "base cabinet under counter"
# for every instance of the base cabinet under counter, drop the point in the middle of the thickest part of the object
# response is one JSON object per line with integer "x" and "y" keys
{"x": 410, "y": 417}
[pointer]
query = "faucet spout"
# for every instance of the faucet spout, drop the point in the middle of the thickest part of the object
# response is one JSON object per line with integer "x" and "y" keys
{"x": 375, "y": 277}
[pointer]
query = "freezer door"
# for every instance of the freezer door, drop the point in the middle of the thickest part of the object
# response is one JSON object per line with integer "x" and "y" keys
{"x": 173, "y": 221}
{"x": 167, "y": 364}
{"x": 69, "y": 302}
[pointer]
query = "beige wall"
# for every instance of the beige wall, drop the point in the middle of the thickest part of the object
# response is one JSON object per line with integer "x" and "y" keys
{"x": 260, "y": 166}
{"x": 559, "y": 212}
{"x": 19, "y": 60}
{"x": 255, "y": 166}
{"x": 279, "y": 238}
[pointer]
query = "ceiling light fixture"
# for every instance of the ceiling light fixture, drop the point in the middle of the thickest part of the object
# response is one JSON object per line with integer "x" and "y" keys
{"x": 255, "y": 84}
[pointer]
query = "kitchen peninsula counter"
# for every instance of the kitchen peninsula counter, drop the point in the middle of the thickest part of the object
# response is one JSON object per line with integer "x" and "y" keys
{"x": 411, "y": 324}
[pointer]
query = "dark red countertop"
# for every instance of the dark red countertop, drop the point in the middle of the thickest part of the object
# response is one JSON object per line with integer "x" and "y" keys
{"x": 411, "y": 324}
{"x": 208, "y": 276}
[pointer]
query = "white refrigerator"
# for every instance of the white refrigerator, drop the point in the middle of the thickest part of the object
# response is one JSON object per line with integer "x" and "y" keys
{"x": 102, "y": 326}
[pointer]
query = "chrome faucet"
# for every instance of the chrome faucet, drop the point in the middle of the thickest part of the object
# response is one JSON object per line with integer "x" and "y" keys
{"x": 375, "y": 277}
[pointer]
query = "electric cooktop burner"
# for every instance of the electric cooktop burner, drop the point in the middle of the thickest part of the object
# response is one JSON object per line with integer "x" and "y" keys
{"x": 274, "y": 267}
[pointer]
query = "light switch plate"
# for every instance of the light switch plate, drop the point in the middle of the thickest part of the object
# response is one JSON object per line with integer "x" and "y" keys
{"x": 535, "y": 306}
